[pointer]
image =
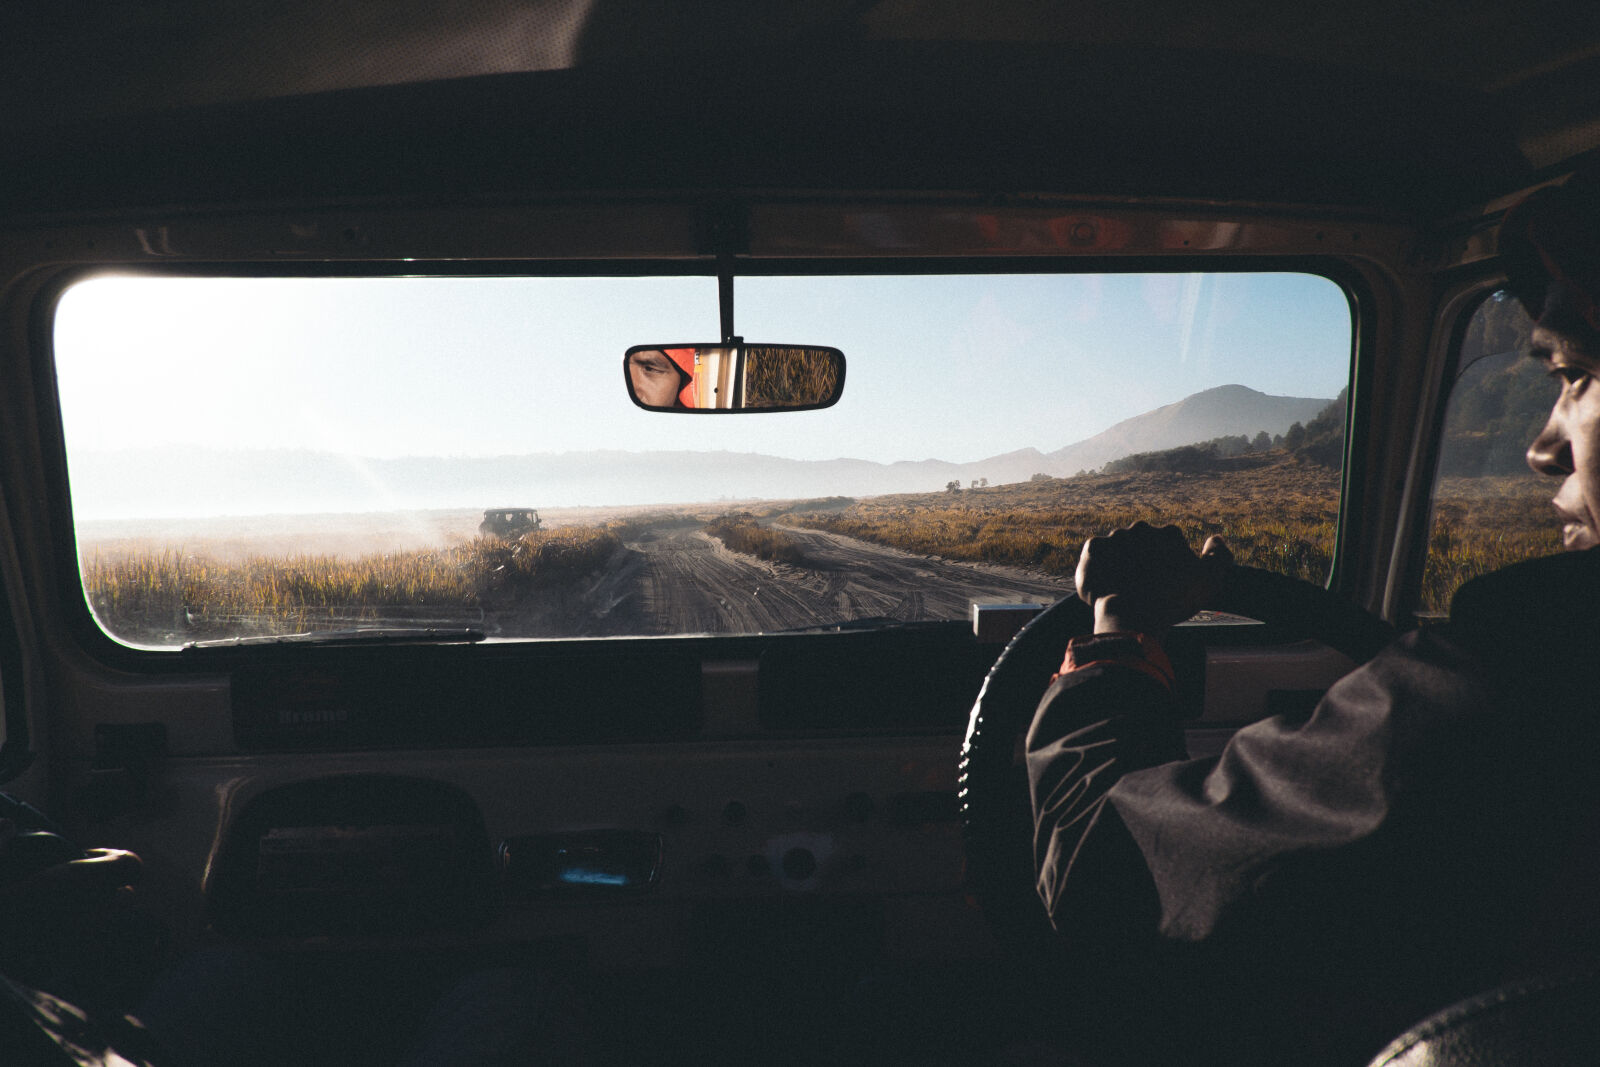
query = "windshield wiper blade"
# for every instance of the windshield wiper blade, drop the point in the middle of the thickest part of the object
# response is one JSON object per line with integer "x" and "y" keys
{"x": 361, "y": 635}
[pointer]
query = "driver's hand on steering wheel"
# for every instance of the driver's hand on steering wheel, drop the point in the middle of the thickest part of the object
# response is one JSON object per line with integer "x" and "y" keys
{"x": 1144, "y": 579}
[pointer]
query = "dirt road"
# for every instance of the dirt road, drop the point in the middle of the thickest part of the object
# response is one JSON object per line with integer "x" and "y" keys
{"x": 682, "y": 580}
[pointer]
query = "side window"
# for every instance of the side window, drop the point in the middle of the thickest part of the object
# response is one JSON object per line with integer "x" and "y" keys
{"x": 1489, "y": 509}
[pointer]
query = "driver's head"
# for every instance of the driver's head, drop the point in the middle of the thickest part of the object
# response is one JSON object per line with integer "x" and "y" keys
{"x": 662, "y": 377}
{"x": 1550, "y": 246}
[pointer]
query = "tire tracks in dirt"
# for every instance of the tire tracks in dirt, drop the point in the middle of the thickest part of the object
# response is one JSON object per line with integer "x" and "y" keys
{"x": 677, "y": 580}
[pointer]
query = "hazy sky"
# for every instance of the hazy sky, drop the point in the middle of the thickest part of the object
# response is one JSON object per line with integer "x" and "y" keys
{"x": 948, "y": 367}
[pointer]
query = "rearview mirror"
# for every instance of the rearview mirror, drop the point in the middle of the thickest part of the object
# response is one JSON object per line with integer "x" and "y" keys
{"x": 726, "y": 378}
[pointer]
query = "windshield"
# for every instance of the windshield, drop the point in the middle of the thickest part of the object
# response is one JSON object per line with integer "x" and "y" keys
{"x": 260, "y": 456}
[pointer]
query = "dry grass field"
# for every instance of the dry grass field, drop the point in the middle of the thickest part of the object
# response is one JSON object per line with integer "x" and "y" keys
{"x": 1281, "y": 516}
{"x": 1482, "y": 524}
{"x": 171, "y": 595}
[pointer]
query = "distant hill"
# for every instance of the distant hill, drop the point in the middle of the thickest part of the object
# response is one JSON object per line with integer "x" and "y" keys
{"x": 177, "y": 481}
{"x": 1319, "y": 441}
{"x": 1221, "y": 412}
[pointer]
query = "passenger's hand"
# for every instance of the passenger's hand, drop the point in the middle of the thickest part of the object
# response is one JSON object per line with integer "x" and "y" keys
{"x": 1144, "y": 579}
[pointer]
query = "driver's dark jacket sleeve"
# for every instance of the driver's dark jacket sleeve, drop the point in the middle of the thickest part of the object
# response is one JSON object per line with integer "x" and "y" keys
{"x": 1397, "y": 827}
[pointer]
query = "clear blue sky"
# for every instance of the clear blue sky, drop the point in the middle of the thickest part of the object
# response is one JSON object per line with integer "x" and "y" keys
{"x": 948, "y": 367}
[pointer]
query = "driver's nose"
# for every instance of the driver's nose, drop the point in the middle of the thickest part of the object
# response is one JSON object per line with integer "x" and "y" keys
{"x": 1551, "y": 452}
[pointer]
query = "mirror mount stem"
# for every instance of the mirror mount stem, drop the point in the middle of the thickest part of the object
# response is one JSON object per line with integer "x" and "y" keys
{"x": 725, "y": 303}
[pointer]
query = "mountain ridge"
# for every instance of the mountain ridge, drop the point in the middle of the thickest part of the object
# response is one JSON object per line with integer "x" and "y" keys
{"x": 1222, "y": 411}
{"x": 168, "y": 481}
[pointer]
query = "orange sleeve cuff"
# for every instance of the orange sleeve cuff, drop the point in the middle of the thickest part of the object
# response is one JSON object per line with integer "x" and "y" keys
{"x": 1141, "y": 652}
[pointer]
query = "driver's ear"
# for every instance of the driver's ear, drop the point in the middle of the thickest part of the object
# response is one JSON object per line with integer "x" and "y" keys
{"x": 1217, "y": 549}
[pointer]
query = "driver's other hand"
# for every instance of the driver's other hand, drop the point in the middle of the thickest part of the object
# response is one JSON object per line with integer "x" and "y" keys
{"x": 102, "y": 868}
{"x": 79, "y": 889}
{"x": 1144, "y": 579}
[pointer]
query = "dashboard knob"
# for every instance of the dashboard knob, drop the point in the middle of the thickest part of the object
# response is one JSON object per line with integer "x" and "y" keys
{"x": 799, "y": 864}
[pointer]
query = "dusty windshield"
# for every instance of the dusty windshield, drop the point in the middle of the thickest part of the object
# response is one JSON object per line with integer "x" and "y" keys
{"x": 263, "y": 456}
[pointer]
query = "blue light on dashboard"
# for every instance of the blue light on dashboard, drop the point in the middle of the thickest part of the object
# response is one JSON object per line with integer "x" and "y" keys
{"x": 590, "y": 876}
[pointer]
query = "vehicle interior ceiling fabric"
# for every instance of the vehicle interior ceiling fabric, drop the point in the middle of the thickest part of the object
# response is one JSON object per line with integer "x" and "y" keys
{"x": 1416, "y": 121}
{"x": 1522, "y": 77}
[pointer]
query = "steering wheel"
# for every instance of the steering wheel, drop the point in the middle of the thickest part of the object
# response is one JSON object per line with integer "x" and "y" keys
{"x": 993, "y": 788}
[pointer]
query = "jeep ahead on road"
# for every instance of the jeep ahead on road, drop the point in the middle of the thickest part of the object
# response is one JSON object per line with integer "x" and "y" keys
{"x": 507, "y": 523}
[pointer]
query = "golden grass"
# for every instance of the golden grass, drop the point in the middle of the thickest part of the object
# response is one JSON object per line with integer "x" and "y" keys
{"x": 781, "y": 377}
{"x": 1281, "y": 518}
{"x": 1482, "y": 524}
{"x": 170, "y": 594}
{"x": 741, "y": 533}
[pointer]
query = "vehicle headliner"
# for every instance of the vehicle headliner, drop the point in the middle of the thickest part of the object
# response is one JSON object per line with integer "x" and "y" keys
{"x": 1400, "y": 107}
